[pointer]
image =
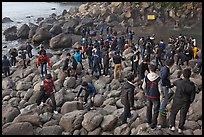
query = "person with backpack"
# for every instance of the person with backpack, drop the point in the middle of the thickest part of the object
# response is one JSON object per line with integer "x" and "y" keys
{"x": 6, "y": 66}
{"x": 152, "y": 91}
{"x": 13, "y": 54}
{"x": 43, "y": 60}
{"x": 48, "y": 89}
{"x": 184, "y": 96}
{"x": 89, "y": 91}
{"x": 127, "y": 97}
{"x": 23, "y": 57}
{"x": 78, "y": 58}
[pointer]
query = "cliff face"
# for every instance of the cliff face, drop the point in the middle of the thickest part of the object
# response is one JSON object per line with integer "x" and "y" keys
{"x": 172, "y": 14}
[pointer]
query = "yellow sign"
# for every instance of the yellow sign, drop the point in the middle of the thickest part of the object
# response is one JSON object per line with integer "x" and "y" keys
{"x": 150, "y": 17}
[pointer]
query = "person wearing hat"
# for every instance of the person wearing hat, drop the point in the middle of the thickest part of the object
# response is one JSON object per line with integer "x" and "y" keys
{"x": 6, "y": 66}
{"x": 49, "y": 89}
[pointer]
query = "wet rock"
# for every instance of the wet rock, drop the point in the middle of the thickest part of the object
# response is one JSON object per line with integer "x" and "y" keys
{"x": 20, "y": 128}
{"x": 23, "y": 31}
{"x": 6, "y": 20}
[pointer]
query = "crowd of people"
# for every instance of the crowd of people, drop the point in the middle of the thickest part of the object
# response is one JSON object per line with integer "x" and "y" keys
{"x": 150, "y": 63}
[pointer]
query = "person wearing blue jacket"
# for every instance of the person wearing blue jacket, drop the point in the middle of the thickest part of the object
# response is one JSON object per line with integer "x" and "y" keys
{"x": 6, "y": 66}
{"x": 78, "y": 58}
{"x": 165, "y": 85}
{"x": 89, "y": 91}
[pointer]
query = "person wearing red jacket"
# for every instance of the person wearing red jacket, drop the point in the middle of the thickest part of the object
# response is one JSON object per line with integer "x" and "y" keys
{"x": 43, "y": 60}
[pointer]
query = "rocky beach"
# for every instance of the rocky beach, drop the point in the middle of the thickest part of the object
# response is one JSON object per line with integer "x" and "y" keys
{"x": 60, "y": 34}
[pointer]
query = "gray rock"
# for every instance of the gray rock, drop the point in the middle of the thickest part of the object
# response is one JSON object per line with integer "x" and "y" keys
{"x": 83, "y": 131}
{"x": 23, "y": 31}
{"x": 98, "y": 100}
{"x": 61, "y": 41}
{"x": 109, "y": 101}
{"x": 188, "y": 132}
{"x": 31, "y": 117}
{"x": 76, "y": 132}
{"x": 51, "y": 123}
{"x": 96, "y": 131}
{"x": 41, "y": 35}
{"x": 28, "y": 94}
{"x": 22, "y": 85}
{"x": 21, "y": 128}
{"x": 45, "y": 117}
{"x": 109, "y": 122}
{"x": 69, "y": 82}
{"x": 119, "y": 104}
{"x": 139, "y": 128}
{"x": 6, "y": 20}
{"x": 71, "y": 106}
{"x": 191, "y": 125}
{"x": 87, "y": 21}
{"x": 55, "y": 30}
{"x": 14, "y": 101}
{"x": 122, "y": 130}
{"x": 9, "y": 113}
{"x": 92, "y": 120}
{"x": 114, "y": 93}
{"x": 51, "y": 130}
{"x": 72, "y": 120}
{"x": 70, "y": 25}
{"x": 59, "y": 97}
{"x": 197, "y": 132}
{"x": 10, "y": 30}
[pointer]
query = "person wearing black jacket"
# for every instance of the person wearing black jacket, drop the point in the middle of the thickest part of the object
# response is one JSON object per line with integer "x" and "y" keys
{"x": 135, "y": 60}
{"x": 29, "y": 50}
{"x": 13, "y": 54}
{"x": 184, "y": 96}
{"x": 106, "y": 59}
{"x": 117, "y": 60}
{"x": 143, "y": 67}
{"x": 127, "y": 97}
{"x": 6, "y": 66}
{"x": 23, "y": 57}
{"x": 89, "y": 54}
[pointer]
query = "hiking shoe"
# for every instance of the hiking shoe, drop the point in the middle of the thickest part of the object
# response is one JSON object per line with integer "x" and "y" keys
{"x": 158, "y": 126}
{"x": 84, "y": 103}
{"x": 41, "y": 104}
{"x": 179, "y": 131}
{"x": 92, "y": 108}
{"x": 173, "y": 129}
{"x": 55, "y": 112}
{"x": 147, "y": 125}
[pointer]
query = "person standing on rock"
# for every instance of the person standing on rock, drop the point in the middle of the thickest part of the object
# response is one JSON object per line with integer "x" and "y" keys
{"x": 152, "y": 91}
{"x": 106, "y": 60}
{"x": 127, "y": 97}
{"x": 23, "y": 57}
{"x": 29, "y": 50}
{"x": 117, "y": 60}
{"x": 78, "y": 58}
{"x": 6, "y": 66}
{"x": 89, "y": 55}
{"x": 89, "y": 91}
{"x": 13, "y": 54}
{"x": 184, "y": 96}
{"x": 43, "y": 60}
{"x": 142, "y": 68}
{"x": 96, "y": 63}
{"x": 49, "y": 90}
{"x": 65, "y": 67}
{"x": 135, "y": 61}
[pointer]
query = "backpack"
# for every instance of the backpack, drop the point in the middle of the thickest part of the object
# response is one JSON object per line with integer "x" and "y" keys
{"x": 152, "y": 88}
{"x": 43, "y": 60}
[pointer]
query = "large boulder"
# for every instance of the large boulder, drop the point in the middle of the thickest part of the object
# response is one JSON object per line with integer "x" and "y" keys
{"x": 41, "y": 35}
{"x": 31, "y": 117}
{"x": 61, "y": 41}
{"x": 9, "y": 113}
{"x": 6, "y": 20}
{"x": 76, "y": 45}
{"x": 71, "y": 106}
{"x": 10, "y": 33}
{"x": 12, "y": 29}
{"x": 92, "y": 120}
{"x": 70, "y": 25}
{"x": 70, "y": 82}
{"x": 23, "y": 31}
{"x": 59, "y": 97}
{"x": 87, "y": 21}
{"x": 56, "y": 29}
{"x": 23, "y": 85}
{"x": 72, "y": 120}
{"x": 83, "y": 8}
{"x": 109, "y": 122}
{"x": 21, "y": 128}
